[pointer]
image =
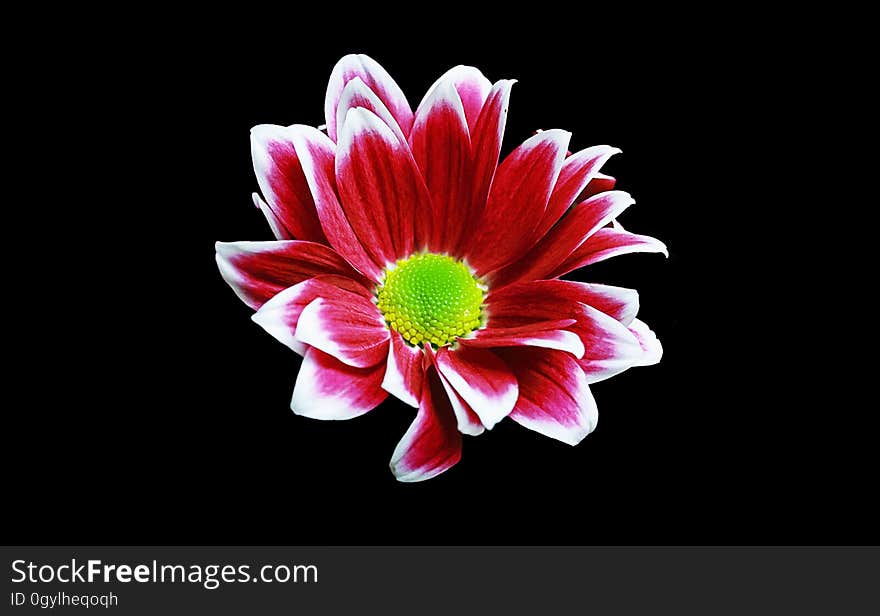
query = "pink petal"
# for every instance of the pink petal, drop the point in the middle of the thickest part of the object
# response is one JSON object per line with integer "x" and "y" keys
{"x": 599, "y": 183}
{"x": 328, "y": 389}
{"x": 432, "y": 444}
{"x": 581, "y": 221}
{"x": 280, "y": 315}
{"x": 520, "y": 192}
{"x": 651, "y": 347}
{"x": 280, "y": 176}
{"x": 348, "y": 327}
{"x": 472, "y": 87}
{"x": 276, "y": 224}
{"x": 618, "y": 302}
{"x": 482, "y": 379}
{"x": 317, "y": 155}
{"x": 377, "y": 79}
{"x": 442, "y": 149}
{"x": 548, "y": 334}
{"x": 607, "y": 243}
{"x": 405, "y": 374}
{"x": 357, "y": 94}
{"x": 577, "y": 172}
{"x": 256, "y": 271}
{"x": 554, "y": 397}
{"x": 380, "y": 186}
{"x": 486, "y": 138}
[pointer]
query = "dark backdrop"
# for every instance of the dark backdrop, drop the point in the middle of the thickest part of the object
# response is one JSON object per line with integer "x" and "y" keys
{"x": 157, "y": 412}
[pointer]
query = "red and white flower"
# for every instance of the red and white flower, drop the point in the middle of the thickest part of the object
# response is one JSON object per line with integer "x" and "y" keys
{"x": 409, "y": 262}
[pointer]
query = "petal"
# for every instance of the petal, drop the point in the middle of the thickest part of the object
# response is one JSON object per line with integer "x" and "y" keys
{"x": 257, "y": 271}
{"x": 317, "y": 155}
{"x": 604, "y": 244}
{"x": 609, "y": 347}
{"x": 472, "y": 88}
{"x": 404, "y": 374}
{"x": 357, "y": 94}
{"x": 577, "y": 172}
{"x": 482, "y": 379}
{"x": 380, "y": 186}
{"x": 348, "y": 327}
{"x": 377, "y": 79}
{"x": 441, "y": 147}
{"x": 467, "y": 421}
{"x": 618, "y": 302}
{"x": 328, "y": 389}
{"x": 599, "y": 183}
{"x": 281, "y": 178}
{"x": 432, "y": 444}
{"x": 276, "y": 224}
{"x": 280, "y": 315}
{"x": 486, "y": 140}
{"x": 548, "y": 334}
{"x": 651, "y": 347}
{"x": 520, "y": 192}
{"x": 581, "y": 221}
{"x": 554, "y": 397}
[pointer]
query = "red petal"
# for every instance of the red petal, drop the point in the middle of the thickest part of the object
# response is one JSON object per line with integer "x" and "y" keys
{"x": 618, "y": 302}
{"x": 357, "y": 94}
{"x": 472, "y": 87}
{"x": 577, "y": 172}
{"x": 328, "y": 389}
{"x": 599, "y": 183}
{"x": 482, "y": 380}
{"x": 380, "y": 186}
{"x": 520, "y": 192}
{"x": 377, "y": 79}
{"x": 548, "y": 334}
{"x": 280, "y": 176}
{"x": 607, "y": 243}
{"x": 257, "y": 271}
{"x": 442, "y": 149}
{"x": 554, "y": 398}
{"x": 468, "y": 421}
{"x": 348, "y": 327}
{"x": 609, "y": 346}
{"x": 404, "y": 374}
{"x": 581, "y": 221}
{"x": 432, "y": 444}
{"x": 318, "y": 157}
{"x": 486, "y": 138}
{"x": 280, "y": 315}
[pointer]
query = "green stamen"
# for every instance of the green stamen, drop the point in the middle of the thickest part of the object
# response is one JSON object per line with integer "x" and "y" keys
{"x": 431, "y": 298}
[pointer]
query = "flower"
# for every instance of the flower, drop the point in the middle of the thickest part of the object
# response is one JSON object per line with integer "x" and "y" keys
{"x": 409, "y": 262}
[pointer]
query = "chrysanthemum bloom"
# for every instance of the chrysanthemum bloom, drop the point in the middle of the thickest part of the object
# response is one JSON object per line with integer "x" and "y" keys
{"x": 409, "y": 262}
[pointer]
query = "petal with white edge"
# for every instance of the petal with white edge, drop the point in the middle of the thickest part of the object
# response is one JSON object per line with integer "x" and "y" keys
{"x": 257, "y": 271}
{"x": 326, "y": 388}
{"x": 377, "y": 79}
{"x": 482, "y": 379}
{"x": 350, "y": 329}
{"x": 404, "y": 374}
{"x": 432, "y": 444}
{"x": 554, "y": 397}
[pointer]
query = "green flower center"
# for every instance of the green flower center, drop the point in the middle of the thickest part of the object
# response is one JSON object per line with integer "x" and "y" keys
{"x": 431, "y": 298}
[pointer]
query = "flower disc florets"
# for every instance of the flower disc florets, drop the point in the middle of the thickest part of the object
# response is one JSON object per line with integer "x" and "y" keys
{"x": 431, "y": 298}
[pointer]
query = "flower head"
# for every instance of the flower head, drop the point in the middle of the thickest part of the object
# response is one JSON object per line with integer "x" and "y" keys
{"x": 409, "y": 262}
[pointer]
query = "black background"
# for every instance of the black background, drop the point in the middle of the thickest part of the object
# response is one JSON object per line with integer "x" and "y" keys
{"x": 157, "y": 412}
